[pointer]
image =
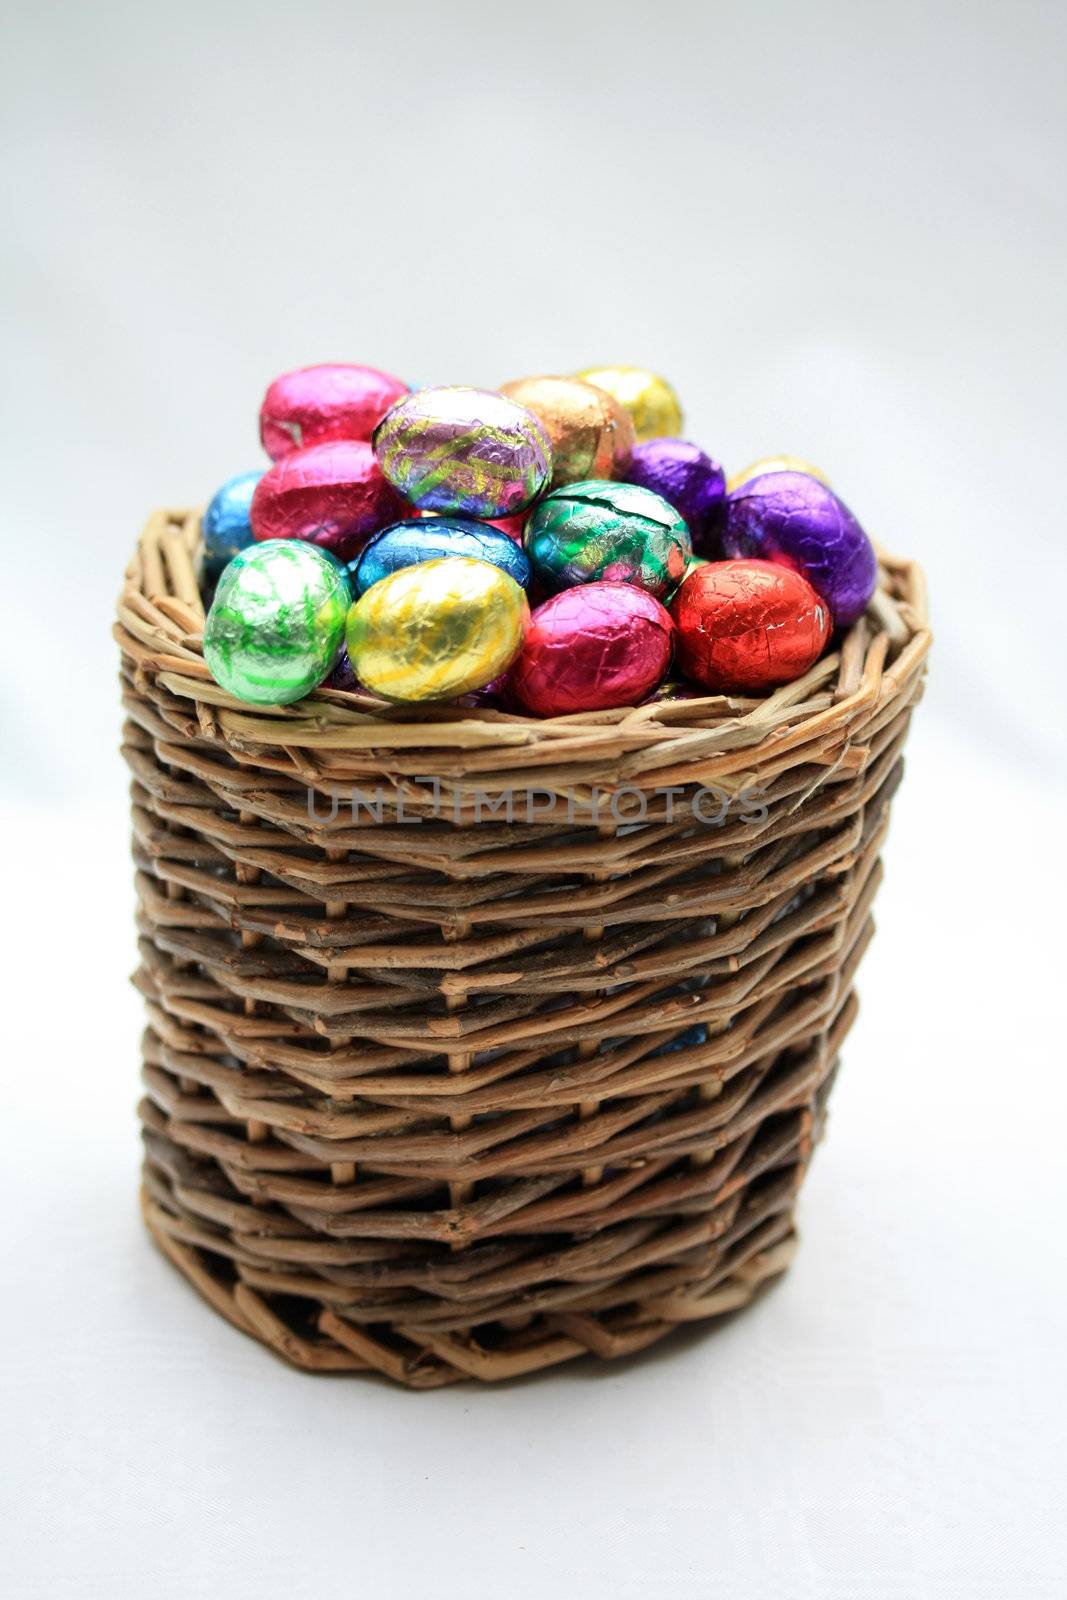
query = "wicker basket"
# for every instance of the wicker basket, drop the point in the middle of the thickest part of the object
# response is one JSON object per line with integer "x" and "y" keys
{"x": 462, "y": 1098}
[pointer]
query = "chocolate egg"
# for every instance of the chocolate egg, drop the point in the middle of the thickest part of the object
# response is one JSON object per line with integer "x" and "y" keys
{"x": 673, "y": 689}
{"x": 793, "y": 519}
{"x": 774, "y": 464}
{"x": 591, "y": 434}
{"x": 599, "y": 531}
{"x": 428, "y": 539}
{"x": 592, "y": 648}
{"x": 276, "y": 623}
{"x": 512, "y": 526}
{"x": 494, "y": 696}
{"x": 467, "y": 450}
{"x": 314, "y": 404}
{"x": 342, "y": 676}
{"x": 747, "y": 626}
{"x": 331, "y": 495}
{"x": 690, "y": 481}
{"x": 686, "y": 1040}
{"x": 650, "y": 400}
{"x": 436, "y": 630}
{"x": 225, "y": 527}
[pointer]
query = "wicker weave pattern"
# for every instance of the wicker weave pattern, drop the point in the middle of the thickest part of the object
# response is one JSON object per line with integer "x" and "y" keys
{"x": 413, "y": 1096}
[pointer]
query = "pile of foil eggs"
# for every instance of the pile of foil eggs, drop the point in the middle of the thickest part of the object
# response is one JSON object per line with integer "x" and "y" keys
{"x": 550, "y": 548}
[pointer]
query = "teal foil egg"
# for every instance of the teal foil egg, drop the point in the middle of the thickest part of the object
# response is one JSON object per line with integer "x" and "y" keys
{"x": 599, "y": 531}
{"x": 430, "y": 538}
{"x": 225, "y": 526}
{"x": 277, "y": 621}
{"x": 472, "y": 451}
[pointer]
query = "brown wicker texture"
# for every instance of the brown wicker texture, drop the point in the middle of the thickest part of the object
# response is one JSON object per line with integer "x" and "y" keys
{"x": 407, "y": 1103}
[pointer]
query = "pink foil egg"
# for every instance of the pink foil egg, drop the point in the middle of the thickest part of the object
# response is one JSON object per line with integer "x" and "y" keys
{"x": 332, "y": 495}
{"x": 315, "y": 404}
{"x": 590, "y": 648}
{"x": 512, "y": 526}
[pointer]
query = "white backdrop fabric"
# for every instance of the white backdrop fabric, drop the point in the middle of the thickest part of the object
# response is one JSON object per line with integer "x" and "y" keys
{"x": 841, "y": 232}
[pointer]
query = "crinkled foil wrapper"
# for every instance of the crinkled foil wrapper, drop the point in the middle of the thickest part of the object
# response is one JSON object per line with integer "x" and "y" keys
{"x": 275, "y": 626}
{"x": 608, "y": 532}
{"x": 436, "y": 630}
{"x": 591, "y": 648}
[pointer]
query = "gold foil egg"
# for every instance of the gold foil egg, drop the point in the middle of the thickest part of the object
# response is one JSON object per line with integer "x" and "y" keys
{"x": 774, "y": 464}
{"x": 437, "y": 629}
{"x": 592, "y": 435}
{"x": 650, "y": 400}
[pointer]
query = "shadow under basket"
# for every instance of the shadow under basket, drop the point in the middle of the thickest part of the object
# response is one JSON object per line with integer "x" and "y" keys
{"x": 439, "y": 1095}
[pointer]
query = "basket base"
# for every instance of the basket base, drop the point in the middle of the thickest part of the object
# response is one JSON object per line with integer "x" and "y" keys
{"x": 432, "y": 1361}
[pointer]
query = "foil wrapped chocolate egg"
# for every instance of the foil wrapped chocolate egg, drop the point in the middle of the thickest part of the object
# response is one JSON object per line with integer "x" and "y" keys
{"x": 591, "y": 434}
{"x": 429, "y": 539}
{"x": 276, "y": 624}
{"x": 600, "y": 531}
{"x": 688, "y": 1039}
{"x": 334, "y": 401}
{"x": 342, "y": 676}
{"x": 494, "y": 696}
{"x": 673, "y": 689}
{"x": 225, "y": 527}
{"x": 650, "y": 400}
{"x": 797, "y": 521}
{"x": 756, "y": 469}
{"x": 592, "y": 648}
{"x": 512, "y": 526}
{"x": 690, "y": 481}
{"x": 464, "y": 450}
{"x": 747, "y": 626}
{"x": 436, "y": 630}
{"x": 332, "y": 495}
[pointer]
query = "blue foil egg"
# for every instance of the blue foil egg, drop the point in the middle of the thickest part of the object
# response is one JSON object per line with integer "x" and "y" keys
{"x": 697, "y": 1034}
{"x": 225, "y": 527}
{"x": 405, "y": 544}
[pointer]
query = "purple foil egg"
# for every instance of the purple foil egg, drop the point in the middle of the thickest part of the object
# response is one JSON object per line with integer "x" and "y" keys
{"x": 798, "y": 522}
{"x": 494, "y": 696}
{"x": 342, "y": 676}
{"x": 690, "y": 481}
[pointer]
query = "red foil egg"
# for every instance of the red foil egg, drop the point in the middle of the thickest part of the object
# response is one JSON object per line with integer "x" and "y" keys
{"x": 332, "y": 495}
{"x": 747, "y": 625}
{"x": 315, "y": 404}
{"x": 512, "y": 526}
{"x": 590, "y": 648}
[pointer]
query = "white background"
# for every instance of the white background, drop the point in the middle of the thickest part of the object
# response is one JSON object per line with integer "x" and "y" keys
{"x": 840, "y": 230}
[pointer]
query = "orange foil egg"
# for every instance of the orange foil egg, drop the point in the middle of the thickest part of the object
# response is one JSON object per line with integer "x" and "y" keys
{"x": 592, "y": 434}
{"x": 747, "y": 626}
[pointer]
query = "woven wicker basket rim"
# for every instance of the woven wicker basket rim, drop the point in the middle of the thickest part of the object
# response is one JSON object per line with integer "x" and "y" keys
{"x": 160, "y": 623}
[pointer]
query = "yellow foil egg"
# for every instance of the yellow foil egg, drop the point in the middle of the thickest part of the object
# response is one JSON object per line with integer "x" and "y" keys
{"x": 650, "y": 400}
{"x": 436, "y": 630}
{"x": 775, "y": 464}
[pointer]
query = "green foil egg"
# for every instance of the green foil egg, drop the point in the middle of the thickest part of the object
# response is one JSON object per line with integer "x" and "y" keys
{"x": 277, "y": 621}
{"x": 598, "y": 531}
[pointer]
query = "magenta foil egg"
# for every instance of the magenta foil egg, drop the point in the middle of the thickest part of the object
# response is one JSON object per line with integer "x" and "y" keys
{"x": 689, "y": 480}
{"x": 796, "y": 521}
{"x": 332, "y": 495}
{"x": 590, "y": 648}
{"x": 333, "y": 401}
